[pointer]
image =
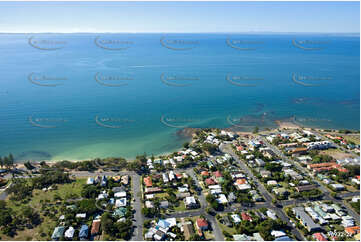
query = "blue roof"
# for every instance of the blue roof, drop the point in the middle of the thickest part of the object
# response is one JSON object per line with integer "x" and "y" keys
{"x": 163, "y": 223}
{"x": 284, "y": 238}
{"x": 83, "y": 231}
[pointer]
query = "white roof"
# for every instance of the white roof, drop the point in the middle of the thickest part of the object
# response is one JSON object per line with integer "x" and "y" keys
{"x": 236, "y": 218}
{"x": 81, "y": 215}
{"x": 222, "y": 199}
{"x": 120, "y": 194}
{"x": 277, "y": 233}
{"x": 190, "y": 200}
{"x": 121, "y": 202}
{"x": 69, "y": 233}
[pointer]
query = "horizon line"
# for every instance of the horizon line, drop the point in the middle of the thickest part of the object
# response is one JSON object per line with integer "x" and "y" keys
{"x": 163, "y": 32}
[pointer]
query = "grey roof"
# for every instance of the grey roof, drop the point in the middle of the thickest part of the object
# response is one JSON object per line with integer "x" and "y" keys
{"x": 306, "y": 220}
{"x": 83, "y": 231}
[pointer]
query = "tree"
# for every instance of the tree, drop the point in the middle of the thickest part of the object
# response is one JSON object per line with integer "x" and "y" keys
{"x": 255, "y": 130}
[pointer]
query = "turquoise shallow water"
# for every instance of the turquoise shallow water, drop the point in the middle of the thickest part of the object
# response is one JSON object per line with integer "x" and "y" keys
{"x": 83, "y": 96}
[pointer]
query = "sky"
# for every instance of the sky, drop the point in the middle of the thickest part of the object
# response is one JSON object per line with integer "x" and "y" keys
{"x": 182, "y": 17}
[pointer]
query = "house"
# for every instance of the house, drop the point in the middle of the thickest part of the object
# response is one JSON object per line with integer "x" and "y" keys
{"x": 116, "y": 178}
{"x": 83, "y": 233}
{"x": 202, "y": 224}
{"x": 121, "y": 202}
{"x": 246, "y": 217}
{"x": 69, "y": 233}
{"x": 352, "y": 230}
{"x": 265, "y": 173}
{"x": 281, "y": 191}
{"x": 120, "y": 212}
{"x": 159, "y": 235}
{"x": 104, "y": 181}
{"x": 210, "y": 181}
{"x": 217, "y": 174}
{"x": 272, "y": 183}
{"x": 305, "y": 219}
{"x": 148, "y": 181}
{"x": 337, "y": 187}
{"x": 319, "y": 237}
{"x": 149, "y": 190}
{"x": 283, "y": 238}
{"x": 306, "y": 188}
{"x": 190, "y": 202}
{"x": 120, "y": 194}
{"x": 205, "y": 173}
{"x": 90, "y": 181}
{"x": 95, "y": 227}
{"x": 222, "y": 199}
{"x": 271, "y": 214}
{"x": 277, "y": 233}
{"x": 165, "y": 178}
{"x": 257, "y": 237}
{"x": 58, "y": 233}
{"x": 242, "y": 187}
{"x": 268, "y": 153}
{"x": 260, "y": 162}
{"x": 188, "y": 231}
{"x": 164, "y": 223}
{"x": 125, "y": 180}
{"x": 164, "y": 204}
{"x": 81, "y": 215}
{"x": 149, "y": 204}
{"x": 298, "y": 151}
{"x": 235, "y": 218}
{"x": 242, "y": 237}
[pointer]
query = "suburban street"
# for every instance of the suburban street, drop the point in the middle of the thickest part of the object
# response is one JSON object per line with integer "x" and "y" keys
{"x": 264, "y": 192}
{"x": 325, "y": 190}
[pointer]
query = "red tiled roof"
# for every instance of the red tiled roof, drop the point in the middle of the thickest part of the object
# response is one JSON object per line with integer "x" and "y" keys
{"x": 95, "y": 227}
{"x": 245, "y": 216}
{"x": 353, "y": 230}
{"x": 205, "y": 173}
{"x": 241, "y": 181}
{"x": 217, "y": 174}
{"x": 319, "y": 237}
{"x": 202, "y": 223}
{"x": 210, "y": 181}
{"x": 148, "y": 181}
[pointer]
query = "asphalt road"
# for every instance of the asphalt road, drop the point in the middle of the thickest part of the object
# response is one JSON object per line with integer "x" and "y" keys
{"x": 137, "y": 206}
{"x": 264, "y": 192}
{"x": 326, "y": 191}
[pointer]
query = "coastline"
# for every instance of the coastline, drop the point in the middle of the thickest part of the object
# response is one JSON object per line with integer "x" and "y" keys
{"x": 185, "y": 133}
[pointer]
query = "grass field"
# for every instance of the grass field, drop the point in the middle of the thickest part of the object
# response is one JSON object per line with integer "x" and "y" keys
{"x": 45, "y": 229}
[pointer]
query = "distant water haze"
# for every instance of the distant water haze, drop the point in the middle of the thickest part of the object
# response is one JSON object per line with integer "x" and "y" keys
{"x": 81, "y": 96}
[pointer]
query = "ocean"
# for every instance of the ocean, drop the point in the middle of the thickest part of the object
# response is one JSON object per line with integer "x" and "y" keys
{"x": 82, "y": 96}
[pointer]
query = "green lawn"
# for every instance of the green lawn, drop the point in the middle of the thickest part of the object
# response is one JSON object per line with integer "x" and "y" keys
{"x": 45, "y": 229}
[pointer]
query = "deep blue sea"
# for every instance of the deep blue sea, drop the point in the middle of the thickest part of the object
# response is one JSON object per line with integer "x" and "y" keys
{"x": 80, "y": 96}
